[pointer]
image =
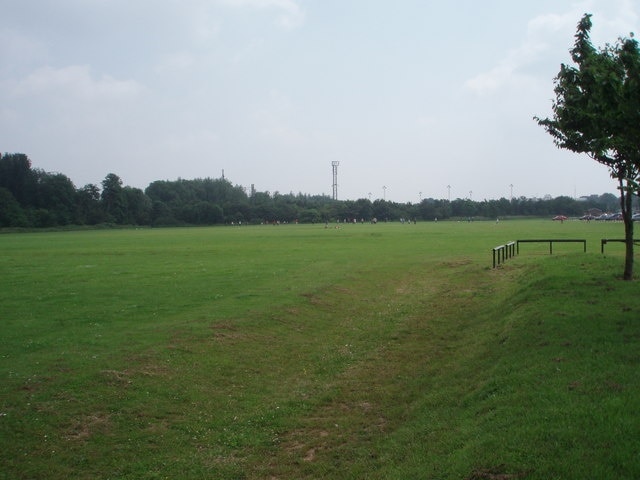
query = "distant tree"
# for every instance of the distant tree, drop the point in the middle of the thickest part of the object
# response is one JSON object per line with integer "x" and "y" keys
{"x": 161, "y": 214}
{"x": 88, "y": 210}
{"x": 284, "y": 210}
{"x": 11, "y": 213}
{"x": 608, "y": 201}
{"x": 310, "y": 215}
{"x": 427, "y": 209}
{"x": 193, "y": 201}
{"x": 162, "y": 191}
{"x": 349, "y": 210}
{"x": 137, "y": 207}
{"x": 237, "y": 211}
{"x": 597, "y": 112}
{"x": 112, "y": 198}
{"x": 56, "y": 194}
{"x": 209, "y": 213}
{"x": 364, "y": 209}
{"x": 17, "y": 177}
{"x": 564, "y": 205}
{"x": 381, "y": 209}
{"x": 464, "y": 208}
{"x": 260, "y": 207}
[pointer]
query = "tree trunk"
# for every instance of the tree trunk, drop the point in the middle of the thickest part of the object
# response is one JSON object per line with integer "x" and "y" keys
{"x": 626, "y": 197}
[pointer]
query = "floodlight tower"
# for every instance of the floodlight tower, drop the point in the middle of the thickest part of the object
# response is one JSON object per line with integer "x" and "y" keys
{"x": 335, "y": 179}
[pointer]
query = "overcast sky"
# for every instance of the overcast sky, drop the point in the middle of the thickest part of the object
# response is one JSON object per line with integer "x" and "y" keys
{"x": 412, "y": 95}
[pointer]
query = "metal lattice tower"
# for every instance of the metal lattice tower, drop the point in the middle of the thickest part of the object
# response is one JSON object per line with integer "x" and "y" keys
{"x": 335, "y": 179}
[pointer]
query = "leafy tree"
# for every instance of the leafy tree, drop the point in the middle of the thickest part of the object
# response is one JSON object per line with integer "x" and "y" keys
{"x": 381, "y": 210}
{"x": 88, "y": 209}
{"x": 11, "y": 214}
{"x": 464, "y": 208}
{"x": 310, "y": 215}
{"x": 137, "y": 207}
{"x": 284, "y": 210}
{"x": 192, "y": 201}
{"x": 161, "y": 191}
{"x": 597, "y": 112}
{"x": 161, "y": 214}
{"x": 237, "y": 211}
{"x": 56, "y": 194}
{"x": 427, "y": 209}
{"x": 17, "y": 177}
{"x": 364, "y": 209}
{"x": 209, "y": 213}
{"x": 348, "y": 210}
{"x": 607, "y": 201}
{"x": 113, "y": 199}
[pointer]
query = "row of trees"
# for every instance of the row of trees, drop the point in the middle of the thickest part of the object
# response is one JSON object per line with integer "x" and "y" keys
{"x": 34, "y": 198}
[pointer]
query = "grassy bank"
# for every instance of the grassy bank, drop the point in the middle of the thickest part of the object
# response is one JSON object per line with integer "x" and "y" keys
{"x": 367, "y": 351}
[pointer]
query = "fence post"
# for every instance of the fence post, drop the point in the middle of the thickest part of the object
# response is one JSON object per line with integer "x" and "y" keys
{"x": 503, "y": 252}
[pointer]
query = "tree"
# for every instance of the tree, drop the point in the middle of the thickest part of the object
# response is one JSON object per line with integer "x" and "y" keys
{"x": 597, "y": 112}
{"x": 113, "y": 199}
{"x": 88, "y": 211}
{"x": 363, "y": 209}
{"x": 138, "y": 207}
{"x": 11, "y": 214}
{"x": 57, "y": 195}
{"x": 381, "y": 210}
{"x": 17, "y": 177}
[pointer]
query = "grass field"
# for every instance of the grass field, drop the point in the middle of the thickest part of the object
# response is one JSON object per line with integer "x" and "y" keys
{"x": 382, "y": 351}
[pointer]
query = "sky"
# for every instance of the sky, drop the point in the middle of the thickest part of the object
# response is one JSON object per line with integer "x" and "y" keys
{"x": 414, "y": 98}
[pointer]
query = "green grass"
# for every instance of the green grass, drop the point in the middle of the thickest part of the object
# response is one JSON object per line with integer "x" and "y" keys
{"x": 369, "y": 351}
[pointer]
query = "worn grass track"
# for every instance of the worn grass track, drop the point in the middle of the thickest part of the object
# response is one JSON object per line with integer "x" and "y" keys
{"x": 381, "y": 351}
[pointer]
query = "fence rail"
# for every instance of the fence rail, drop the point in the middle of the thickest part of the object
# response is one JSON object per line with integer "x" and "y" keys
{"x": 604, "y": 241}
{"x": 551, "y": 241}
{"x": 508, "y": 250}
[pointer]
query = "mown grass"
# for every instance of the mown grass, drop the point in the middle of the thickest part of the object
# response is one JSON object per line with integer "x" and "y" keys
{"x": 369, "y": 351}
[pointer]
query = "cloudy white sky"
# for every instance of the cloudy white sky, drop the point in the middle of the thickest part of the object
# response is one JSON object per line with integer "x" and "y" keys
{"x": 413, "y": 95}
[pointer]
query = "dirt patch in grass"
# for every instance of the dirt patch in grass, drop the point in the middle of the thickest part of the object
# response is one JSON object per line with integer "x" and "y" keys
{"x": 496, "y": 473}
{"x": 116, "y": 377}
{"x": 84, "y": 427}
{"x": 223, "y": 331}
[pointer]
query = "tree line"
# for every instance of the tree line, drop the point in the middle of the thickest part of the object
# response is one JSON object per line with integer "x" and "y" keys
{"x": 33, "y": 198}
